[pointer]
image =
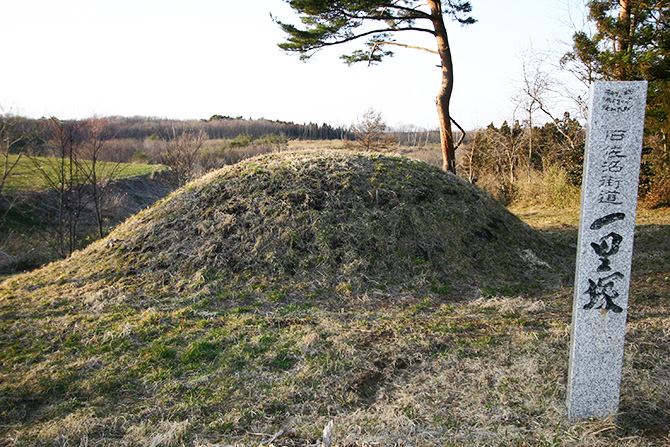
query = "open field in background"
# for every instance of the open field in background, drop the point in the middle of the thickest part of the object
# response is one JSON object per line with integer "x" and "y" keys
{"x": 26, "y": 175}
{"x": 315, "y": 144}
{"x": 188, "y": 360}
{"x": 544, "y": 218}
{"x": 29, "y": 207}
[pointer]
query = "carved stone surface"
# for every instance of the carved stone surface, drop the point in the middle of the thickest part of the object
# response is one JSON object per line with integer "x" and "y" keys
{"x": 605, "y": 247}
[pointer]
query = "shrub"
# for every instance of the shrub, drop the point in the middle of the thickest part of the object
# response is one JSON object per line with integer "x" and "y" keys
{"x": 501, "y": 190}
{"x": 659, "y": 193}
{"x": 240, "y": 141}
{"x": 574, "y": 165}
{"x": 551, "y": 188}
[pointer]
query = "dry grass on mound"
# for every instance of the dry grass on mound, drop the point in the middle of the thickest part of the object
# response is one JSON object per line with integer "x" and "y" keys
{"x": 305, "y": 225}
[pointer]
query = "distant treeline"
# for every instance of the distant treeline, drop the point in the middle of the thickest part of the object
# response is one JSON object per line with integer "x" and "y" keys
{"x": 224, "y": 127}
{"x": 217, "y": 127}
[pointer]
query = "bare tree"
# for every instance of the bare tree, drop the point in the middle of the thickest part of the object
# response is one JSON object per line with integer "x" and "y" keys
{"x": 371, "y": 132}
{"x": 533, "y": 87}
{"x": 499, "y": 151}
{"x": 11, "y": 153}
{"x": 180, "y": 152}
{"x": 64, "y": 177}
{"x": 539, "y": 90}
{"x": 469, "y": 164}
{"x": 97, "y": 174}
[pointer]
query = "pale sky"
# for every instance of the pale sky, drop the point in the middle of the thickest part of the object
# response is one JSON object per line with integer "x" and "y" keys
{"x": 190, "y": 59}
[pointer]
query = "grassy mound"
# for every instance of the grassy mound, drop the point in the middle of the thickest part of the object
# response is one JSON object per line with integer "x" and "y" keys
{"x": 273, "y": 296}
{"x": 306, "y": 225}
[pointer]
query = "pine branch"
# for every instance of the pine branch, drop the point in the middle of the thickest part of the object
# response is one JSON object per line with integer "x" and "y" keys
{"x": 406, "y": 46}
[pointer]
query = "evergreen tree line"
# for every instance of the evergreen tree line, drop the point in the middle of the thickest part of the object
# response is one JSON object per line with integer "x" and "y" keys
{"x": 224, "y": 127}
{"x": 217, "y": 127}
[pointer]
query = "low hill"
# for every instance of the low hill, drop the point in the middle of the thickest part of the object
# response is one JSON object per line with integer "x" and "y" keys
{"x": 283, "y": 292}
{"x": 305, "y": 223}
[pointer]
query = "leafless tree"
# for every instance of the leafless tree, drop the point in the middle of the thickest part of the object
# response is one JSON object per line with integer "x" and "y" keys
{"x": 11, "y": 153}
{"x": 96, "y": 173}
{"x": 539, "y": 91}
{"x": 533, "y": 88}
{"x": 63, "y": 176}
{"x": 371, "y": 132}
{"x": 9, "y": 148}
{"x": 180, "y": 152}
{"x": 500, "y": 151}
{"x": 468, "y": 164}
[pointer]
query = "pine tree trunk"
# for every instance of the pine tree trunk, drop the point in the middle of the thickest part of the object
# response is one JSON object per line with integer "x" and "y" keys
{"x": 444, "y": 95}
{"x": 623, "y": 44}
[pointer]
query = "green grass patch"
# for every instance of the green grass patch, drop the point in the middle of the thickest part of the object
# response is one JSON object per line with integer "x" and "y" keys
{"x": 29, "y": 173}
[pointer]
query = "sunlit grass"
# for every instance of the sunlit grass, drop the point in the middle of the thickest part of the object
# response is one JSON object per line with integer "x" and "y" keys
{"x": 29, "y": 173}
{"x": 138, "y": 343}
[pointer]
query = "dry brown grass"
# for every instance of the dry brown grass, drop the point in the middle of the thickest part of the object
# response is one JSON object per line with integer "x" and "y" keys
{"x": 330, "y": 223}
{"x": 298, "y": 145}
{"x": 295, "y": 289}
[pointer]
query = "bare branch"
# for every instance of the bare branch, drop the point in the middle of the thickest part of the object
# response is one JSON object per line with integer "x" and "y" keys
{"x": 406, "y": 46}
{"x": 555, "y": 121}
{"x": 462, "y": 137}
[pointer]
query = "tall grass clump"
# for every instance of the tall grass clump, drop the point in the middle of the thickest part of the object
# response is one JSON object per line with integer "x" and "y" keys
{"x": 549, "y": 188}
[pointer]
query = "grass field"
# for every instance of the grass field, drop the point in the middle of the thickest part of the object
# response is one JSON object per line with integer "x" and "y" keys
{"x": 137, "y": 341}
{"x": 28, "y": 176}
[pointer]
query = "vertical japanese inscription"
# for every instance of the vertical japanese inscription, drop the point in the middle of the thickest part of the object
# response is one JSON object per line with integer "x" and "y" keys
{"x": 607, "y": 223}
{"x": 612, "y": 168}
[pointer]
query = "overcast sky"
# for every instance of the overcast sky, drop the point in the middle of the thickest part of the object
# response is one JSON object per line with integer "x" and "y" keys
{"x": 190, "y": 59}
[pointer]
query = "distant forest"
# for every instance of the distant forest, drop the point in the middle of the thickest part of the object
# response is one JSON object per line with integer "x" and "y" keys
{"x": 216, "y": 127}
{"x": 134, "y": 139}
{"x": 225, "y": 127}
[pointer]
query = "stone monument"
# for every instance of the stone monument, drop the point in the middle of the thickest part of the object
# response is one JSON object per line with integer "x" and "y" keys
{"x": 605, "y": 247}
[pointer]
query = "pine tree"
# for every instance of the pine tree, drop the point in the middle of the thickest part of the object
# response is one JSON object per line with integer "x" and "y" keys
{"x": 328, "y": 23}
{"x": 632, "y": 42}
